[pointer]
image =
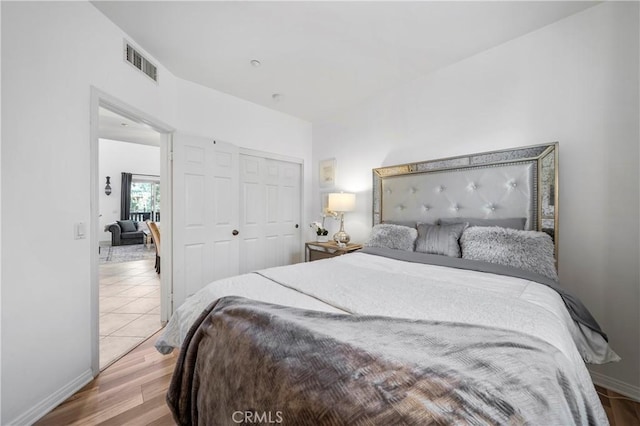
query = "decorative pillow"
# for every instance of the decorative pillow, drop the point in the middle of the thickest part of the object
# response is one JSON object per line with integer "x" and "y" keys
{"x": 440, "y": 239}
{"x": 528, "y": 250}
{"x": 392, "y": 236}
{"x": 127, "y": 226}
{"x": 410, "y": 224}
{"x": 511, "y": 222}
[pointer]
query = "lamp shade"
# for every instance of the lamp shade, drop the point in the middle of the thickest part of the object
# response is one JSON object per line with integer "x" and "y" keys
{"x": 341, "y": 202}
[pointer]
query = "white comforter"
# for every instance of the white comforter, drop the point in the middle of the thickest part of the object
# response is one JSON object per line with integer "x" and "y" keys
{"x": 373, "y": 285}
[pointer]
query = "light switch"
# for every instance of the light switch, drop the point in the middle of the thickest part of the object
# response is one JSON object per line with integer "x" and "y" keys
{"x": 79, "y": 231}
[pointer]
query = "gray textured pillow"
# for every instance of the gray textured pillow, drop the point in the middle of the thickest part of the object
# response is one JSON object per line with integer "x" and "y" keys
{"x": 393, "y": 237}
{"x": 127, "y": 226}
{"x": 440, "y": 239}
{"x": 528, "y": 250}
{"x": 510, "y": 222}
{"x": 410, "y": 224}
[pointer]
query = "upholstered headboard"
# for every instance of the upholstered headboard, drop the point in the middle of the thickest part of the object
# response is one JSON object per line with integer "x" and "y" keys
{"x": 515, "y": 183}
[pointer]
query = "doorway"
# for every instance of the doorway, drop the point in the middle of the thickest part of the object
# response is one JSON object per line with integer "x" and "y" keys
{"x": 130, "y": 298}
{"x": 129, "y": 287}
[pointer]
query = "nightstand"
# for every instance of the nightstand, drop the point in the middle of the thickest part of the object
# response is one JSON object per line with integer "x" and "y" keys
{"x": 314, "y": 250}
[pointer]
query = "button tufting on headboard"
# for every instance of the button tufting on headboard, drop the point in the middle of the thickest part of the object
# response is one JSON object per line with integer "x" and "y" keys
{"x": 478, "y": 191}
{"x": 521, "y": 182}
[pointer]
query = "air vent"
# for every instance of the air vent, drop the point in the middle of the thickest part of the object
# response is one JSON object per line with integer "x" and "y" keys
{"x": 136, "y": 59}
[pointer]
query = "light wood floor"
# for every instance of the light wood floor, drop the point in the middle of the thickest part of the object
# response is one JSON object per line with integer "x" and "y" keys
{"x": 132, "y": 391}
{"x": 621, "y": 412}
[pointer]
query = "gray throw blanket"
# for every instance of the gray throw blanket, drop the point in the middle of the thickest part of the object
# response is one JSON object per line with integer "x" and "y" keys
{"x": 285, "y": 365}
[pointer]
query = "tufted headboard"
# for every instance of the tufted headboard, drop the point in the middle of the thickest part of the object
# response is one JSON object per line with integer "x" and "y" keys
{"x": 520, "y": 182}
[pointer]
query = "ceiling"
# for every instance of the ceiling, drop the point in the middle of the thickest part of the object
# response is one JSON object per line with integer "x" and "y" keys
{"x": 322, "y": 57}
{"x": 116, "y": 127}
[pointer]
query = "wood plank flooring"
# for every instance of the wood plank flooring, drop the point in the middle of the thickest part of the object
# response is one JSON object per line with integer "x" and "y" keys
{"x": 621, "y": 412}
{"x": 132, "y": 392}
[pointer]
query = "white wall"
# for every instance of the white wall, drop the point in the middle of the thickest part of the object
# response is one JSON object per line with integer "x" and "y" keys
{"x": 52, "y": 52}
{"x": 576, "y": 82}
{"x": 0, "y": 224}
{"x": 117, "y": 157}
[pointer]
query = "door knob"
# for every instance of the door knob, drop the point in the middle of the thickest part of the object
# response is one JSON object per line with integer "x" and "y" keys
{"x": 297, "y": 226}
{"x": 235, "y": 232}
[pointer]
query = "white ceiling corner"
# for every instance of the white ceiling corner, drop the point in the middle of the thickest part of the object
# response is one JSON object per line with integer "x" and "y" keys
{"x": 322, "y": 57}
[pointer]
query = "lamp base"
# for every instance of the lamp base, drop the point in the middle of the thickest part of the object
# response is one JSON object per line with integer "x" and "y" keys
{"x": 341, "y": 238}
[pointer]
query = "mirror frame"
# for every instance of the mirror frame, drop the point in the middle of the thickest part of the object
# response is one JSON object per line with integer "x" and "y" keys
{"x": 546, "y": 186}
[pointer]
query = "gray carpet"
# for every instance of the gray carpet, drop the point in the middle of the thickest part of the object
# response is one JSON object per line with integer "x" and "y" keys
{"x": 117, "y": 254}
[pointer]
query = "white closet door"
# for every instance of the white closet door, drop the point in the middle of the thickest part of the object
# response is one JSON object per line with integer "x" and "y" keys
{"x": 270, "y": 207}
{"x": 225, "y": 211}
{"x": 252, "y": 207}
{"x": 205, "y": 207}
{"x": 288, "y": 223}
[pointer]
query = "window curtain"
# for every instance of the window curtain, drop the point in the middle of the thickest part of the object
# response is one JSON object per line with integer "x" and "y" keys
{"x": 125, "y": 197}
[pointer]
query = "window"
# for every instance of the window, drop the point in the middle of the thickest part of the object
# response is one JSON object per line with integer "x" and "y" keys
{"x": 145, "y": 198}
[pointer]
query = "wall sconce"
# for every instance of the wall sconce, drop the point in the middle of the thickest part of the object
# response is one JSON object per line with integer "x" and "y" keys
{"x": 339, "y": 204}
{"x": 107, "y": 188}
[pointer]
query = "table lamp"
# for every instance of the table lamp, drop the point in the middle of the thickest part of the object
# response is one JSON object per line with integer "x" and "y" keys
{"x": 338, "y": 204}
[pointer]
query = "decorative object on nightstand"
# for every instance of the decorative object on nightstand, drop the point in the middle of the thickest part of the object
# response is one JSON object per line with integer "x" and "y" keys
{"x": 339, "y": 204}
{"x": 321, "y": 232}
{"x": 315, "y": 250}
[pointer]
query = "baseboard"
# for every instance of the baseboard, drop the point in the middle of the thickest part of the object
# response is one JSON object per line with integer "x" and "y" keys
{"x": 52, "y": 401}
{"x": 616, "y": 385}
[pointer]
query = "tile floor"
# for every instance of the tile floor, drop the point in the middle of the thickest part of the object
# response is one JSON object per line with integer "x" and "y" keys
{"x": 129, "y": 307}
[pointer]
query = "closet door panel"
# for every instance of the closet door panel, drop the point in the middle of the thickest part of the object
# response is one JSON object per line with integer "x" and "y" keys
{"x": 270, "y": 210}
{"x": 205, "y": 211}
{"x": 252, "y": 214}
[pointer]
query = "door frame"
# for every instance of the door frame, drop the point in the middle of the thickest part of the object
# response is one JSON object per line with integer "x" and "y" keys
{"x": 102, "y": 99}
{"x": 295, "y": 160}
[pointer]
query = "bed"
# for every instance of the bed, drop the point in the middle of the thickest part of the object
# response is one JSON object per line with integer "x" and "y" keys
{"x": 452, "y": 314}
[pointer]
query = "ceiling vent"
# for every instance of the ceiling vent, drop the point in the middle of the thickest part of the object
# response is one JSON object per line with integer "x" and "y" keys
{"x": 136, "y": 59}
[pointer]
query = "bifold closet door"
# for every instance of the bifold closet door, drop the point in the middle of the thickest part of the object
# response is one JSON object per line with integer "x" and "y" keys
{"x": 270, "y": 212}
{"x": 205, "y": 208}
